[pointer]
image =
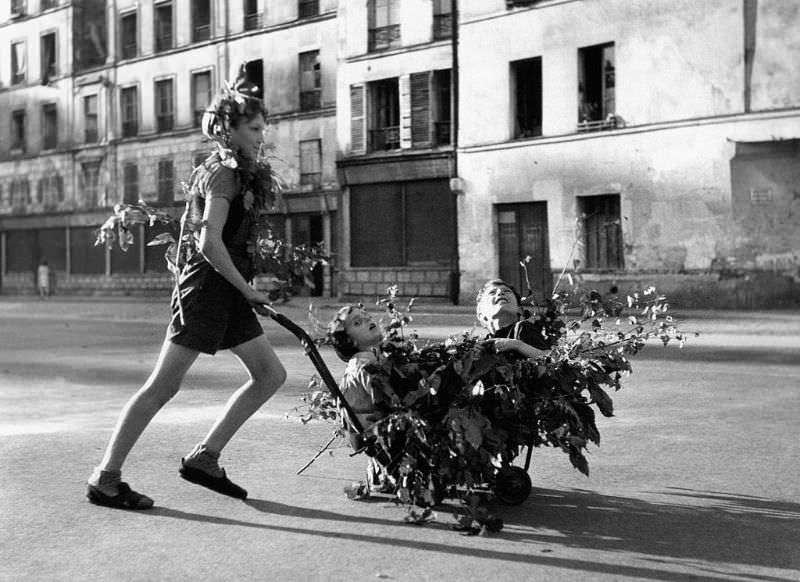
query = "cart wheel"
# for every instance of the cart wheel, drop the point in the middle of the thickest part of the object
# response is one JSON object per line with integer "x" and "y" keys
{"x": 512, "y": 485}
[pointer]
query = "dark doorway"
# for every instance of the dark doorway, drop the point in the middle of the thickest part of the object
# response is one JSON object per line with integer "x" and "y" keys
{"x": 307, "y": 229}
{"x": 522, "y": 233}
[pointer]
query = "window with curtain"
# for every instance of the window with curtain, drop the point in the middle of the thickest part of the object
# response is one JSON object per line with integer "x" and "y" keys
{"x": 166, "y": 181}
{"x": 130, "y": 183}
{"x": 18, "y": 130}
{"x": 201, "y": 20}
{"x": 48, "y": 57}
{"x": 90, "y": 180}
{"x": 19, "y": 62}
{"x": 442, "y": 19}
{"x": 252, "y": 17}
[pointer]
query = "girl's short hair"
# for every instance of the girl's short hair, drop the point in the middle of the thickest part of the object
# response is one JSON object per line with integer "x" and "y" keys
{"x": 342, "y": 344}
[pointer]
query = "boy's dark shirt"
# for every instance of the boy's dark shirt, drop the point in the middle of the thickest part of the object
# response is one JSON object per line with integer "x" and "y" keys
{"x": 527, "y": 332}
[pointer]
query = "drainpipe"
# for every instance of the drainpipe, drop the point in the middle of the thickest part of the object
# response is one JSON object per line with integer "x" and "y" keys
{"x": 455, "y": 180}
{"x": 225, "y": 46}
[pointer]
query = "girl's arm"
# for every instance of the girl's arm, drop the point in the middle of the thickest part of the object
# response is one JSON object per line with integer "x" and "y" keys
{"x": 215, "y": 252}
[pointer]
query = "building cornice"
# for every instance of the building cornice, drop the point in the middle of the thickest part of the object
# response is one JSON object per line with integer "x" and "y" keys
{"x": 630, "y": 130}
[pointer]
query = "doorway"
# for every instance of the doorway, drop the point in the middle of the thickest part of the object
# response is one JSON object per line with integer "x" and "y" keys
{"x": 308, "y": 229}
{"x": 522, "y": 233}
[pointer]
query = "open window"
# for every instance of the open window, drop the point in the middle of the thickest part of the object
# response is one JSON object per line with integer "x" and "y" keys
{"x": 383, "y": 24}
{"x": 384, "y": 115}
{"x": 596, "y": 85}
{"x": 526, "y": 79}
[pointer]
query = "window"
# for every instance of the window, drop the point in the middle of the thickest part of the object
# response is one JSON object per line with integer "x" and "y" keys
{"x": 252, "y": 17}
{"x": 129, "y": 105}
{"x": 596, "y": 80}
{"x": 166, "y": 182}
{"x": 384, "y": 24}
{"x": 310, "y": 81}
{"x": 602, "y": 231}
{"x": 165, "y": 119}
{"x": 441, "y": 108}
{"x": 48, "y": 57}
{"x": 254, "y": 72}
{"x": 307, "y": 8}
{"x": 201, "y": 20}
{"x": 311, "y": 163}
{"x": 201, "y": 95}
{"x": 45, "y": 4}
{"x": 19, "y": 62}
{"x": 130, "y": 179}
{"x": 91, "y": 34}
{"x": 526, "y": 77}
{"x": 442, "y": 19}
{"x": 18, "y": 130}
{"x": 90, "y": 179}
{"x": 384, "y": 122}
{"x": 90, "y": 134}
{"x": 49, "y": 126}
{"x": 163, "y": 26}
{"x": 18, "y": 8}
{"x": 419, "y": 228}
{"x": 129, "y": 44}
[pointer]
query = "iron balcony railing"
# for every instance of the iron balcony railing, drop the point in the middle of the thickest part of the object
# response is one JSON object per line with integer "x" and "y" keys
{"x": 201, "y": 32}
{"x": 442, "y": 26}
{"x": 384, "y": 37}
{"x": 165, "y": 122}
{"x": 307, "y": 8}
{"x": 384, "y": 138}
{"x": 130, "y": 128}
{"x": 441, "y": 133}
{"x": 313, "y": 179}
{"x": 252, "y": 21}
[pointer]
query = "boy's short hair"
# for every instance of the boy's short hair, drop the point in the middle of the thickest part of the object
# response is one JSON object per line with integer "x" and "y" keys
{"x": 342, "y": 344}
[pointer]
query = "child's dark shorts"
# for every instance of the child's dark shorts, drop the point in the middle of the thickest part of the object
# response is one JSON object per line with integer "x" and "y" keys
{"x": 216, "y": 315}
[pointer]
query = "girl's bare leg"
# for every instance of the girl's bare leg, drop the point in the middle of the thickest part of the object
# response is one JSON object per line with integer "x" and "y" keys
{"x": 164, "y": 382}
{"x": 267, "y": 374}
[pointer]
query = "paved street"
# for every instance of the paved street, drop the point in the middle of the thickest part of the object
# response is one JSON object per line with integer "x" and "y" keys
{"x": 696, "y": 478}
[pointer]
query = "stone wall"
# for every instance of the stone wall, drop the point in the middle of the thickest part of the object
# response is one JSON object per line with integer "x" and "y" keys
{"x": 411, "y": 282}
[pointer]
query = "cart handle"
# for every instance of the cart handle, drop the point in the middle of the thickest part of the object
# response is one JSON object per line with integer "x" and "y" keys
{"x": 316, "y": 359}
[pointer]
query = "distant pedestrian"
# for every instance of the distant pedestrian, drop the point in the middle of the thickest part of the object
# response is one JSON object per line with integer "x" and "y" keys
{"x": 212, "y": 306}
{"x": 43, "y": 279}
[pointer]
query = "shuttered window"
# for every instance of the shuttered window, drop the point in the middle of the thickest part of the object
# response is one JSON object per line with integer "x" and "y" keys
{"x": 357, "y": 141}
{"x": 420, "y": 109}
{"x": 602, "y": 231}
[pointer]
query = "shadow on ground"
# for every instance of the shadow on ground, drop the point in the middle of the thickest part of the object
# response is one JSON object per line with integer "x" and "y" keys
{"x": 750, "y": 532}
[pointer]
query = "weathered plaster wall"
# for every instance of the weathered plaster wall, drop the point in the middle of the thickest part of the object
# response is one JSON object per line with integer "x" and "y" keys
{"x": 674, "y": 187}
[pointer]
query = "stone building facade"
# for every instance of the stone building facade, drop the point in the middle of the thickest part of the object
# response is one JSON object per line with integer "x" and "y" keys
{"x": 124, "y": 88}
{"x": 637, "y": 142}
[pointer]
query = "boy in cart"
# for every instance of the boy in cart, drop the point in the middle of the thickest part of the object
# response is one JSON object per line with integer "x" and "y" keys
{"x": 499, "y": 311}
{"x": 355, "y": 337}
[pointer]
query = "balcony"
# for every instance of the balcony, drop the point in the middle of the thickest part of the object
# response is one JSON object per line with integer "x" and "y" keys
{"x": 252, "y": 21}
{"x": 384, "y": 138}
{"x": 165, "y": 122}
{"x": 383, "y": 38}
{"x": 311, "y": 181}
{"x": 442, "y": 26}
{"x": 610, "y": 122}
{"x": 310, "y": 100}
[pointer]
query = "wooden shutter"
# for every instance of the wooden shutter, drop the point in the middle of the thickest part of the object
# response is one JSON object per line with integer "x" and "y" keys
{"x": 357, "y": 118}
{"x": 405, "y": 111}
{"x": 421, "y": 109}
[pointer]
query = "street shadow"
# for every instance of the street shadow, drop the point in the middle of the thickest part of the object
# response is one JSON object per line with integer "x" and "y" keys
{"x": 784, "y": 356}
{"x": 748, "y": 531}
{"x": 708, "y": 526}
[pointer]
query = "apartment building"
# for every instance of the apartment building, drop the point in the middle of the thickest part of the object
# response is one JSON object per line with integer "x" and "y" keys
{"x": 641, "y": 143}
{"x": 123, "y": 90}
{"x": 394, "y": 105}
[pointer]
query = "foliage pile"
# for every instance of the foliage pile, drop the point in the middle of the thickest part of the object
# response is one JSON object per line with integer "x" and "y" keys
{"x": 463, "y": 411}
